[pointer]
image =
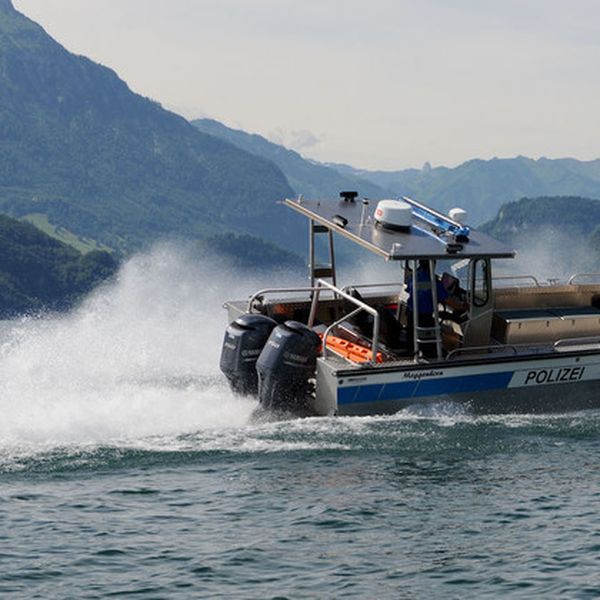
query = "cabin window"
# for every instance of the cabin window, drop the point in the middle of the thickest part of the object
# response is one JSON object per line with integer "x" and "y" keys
{"x": 480, "y": 282}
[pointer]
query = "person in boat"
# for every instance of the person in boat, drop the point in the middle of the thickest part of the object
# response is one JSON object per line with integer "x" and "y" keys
{"x": 425, "y": 306}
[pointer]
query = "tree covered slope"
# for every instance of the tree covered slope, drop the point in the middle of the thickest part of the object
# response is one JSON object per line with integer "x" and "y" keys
{"x": 309, "y": 178}
{"x": 38, "y": 272}
{"x": 77, "y": 145}
{"x": 554, "y": 236}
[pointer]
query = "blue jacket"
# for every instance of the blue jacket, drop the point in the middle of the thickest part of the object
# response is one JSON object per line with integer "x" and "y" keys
{"x": 424, "y": 296}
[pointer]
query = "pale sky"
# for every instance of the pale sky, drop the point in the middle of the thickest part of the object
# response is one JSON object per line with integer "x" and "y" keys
{"x": 379, "y": 84}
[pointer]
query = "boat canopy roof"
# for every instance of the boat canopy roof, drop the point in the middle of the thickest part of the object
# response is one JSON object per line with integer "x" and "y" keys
{"x": 432, "y": 235}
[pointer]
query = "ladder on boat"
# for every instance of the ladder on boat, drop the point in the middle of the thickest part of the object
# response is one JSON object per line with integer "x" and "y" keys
{"x": 321, "y": 270}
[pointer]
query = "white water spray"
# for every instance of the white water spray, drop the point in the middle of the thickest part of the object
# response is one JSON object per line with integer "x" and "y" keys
{"x": 139, "y": 357}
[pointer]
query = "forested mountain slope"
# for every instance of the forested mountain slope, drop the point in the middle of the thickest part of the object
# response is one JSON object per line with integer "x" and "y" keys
{"x": 78, "y": 146}
{"x": 309, "y": 178}
{"x": 38, "y": 272}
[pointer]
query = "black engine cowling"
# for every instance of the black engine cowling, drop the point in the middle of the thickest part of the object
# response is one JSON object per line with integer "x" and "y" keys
{"x": 285, "y": 367}
{"x": 242, "y": 345}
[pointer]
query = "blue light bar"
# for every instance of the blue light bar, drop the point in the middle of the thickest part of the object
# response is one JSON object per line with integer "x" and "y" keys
{"x": 439, "y": 221}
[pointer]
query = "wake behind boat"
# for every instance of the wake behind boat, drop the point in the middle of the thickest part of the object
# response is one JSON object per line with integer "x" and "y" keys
{"x": 499, "y": 344}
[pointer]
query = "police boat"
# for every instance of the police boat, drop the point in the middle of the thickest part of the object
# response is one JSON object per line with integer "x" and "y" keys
{"x": 445, "y": 329}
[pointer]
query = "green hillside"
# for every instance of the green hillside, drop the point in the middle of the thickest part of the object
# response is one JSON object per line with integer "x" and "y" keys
{"x": 80, "y": 148}
{"x": 483, "y": 186}
{"x": 575, "y": 216}
{"x": 309, "y": 178}
{"x": 39, "y": 272}
{"x": 554, "y": 236}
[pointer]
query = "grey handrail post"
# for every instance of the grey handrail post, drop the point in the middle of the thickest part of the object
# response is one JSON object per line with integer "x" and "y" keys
{"x": 365, "y": 307}
{"x": 415, "y": 310}
{"x": 313, "y": 305}
{"x": 333, "y": 325}
{"x": 436, "y": 314}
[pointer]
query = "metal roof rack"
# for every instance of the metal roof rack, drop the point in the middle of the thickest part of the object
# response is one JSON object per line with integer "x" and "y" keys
{"x": 431, "y": 236}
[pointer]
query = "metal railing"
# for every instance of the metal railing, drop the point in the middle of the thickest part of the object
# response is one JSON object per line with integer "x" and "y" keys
{"x": 576, "y": 276}
{"x": 395, "y": 284}
{"x": 562, "y": 345}
{"x": 316, "y": 290}
{"x": 574, "y": 344}
{"x": 335, "y": 324}
{"x": 481, "y": 350}
{"x": 361, "y": 306}
{"x": 519, "y": 277}
{"x": 258, "y": 295}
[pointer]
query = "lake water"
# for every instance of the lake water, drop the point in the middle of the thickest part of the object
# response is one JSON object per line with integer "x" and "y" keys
{"x": 127, "y": 468}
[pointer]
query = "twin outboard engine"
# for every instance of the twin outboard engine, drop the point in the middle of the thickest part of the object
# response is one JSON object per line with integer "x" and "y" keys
{"x": 285, "y": 367}
{"x": 244, "y": 340}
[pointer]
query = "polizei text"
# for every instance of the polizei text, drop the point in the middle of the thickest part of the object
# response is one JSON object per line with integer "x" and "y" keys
{"x": 554, "y": 375}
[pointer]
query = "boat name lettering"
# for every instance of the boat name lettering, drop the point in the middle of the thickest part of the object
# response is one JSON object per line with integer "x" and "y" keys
{"x": 274, "y": 344}
{"x": 554, "y": 375}
{"x": 230, "y": 345}
{"x": 422, "y": 374}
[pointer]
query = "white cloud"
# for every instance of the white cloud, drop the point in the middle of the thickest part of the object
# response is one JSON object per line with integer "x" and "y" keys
{"x": 297, "y": 140}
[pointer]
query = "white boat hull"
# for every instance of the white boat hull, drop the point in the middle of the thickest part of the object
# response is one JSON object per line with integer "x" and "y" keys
{"x": 507, "y": 384}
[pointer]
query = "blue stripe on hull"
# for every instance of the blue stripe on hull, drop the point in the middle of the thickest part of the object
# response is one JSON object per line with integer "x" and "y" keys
{"x": 424, "y": 388}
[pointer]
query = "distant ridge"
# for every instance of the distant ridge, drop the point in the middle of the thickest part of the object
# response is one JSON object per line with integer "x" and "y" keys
{"x": 482, "y": 186}
{"x": 306, "y": 177}
{"x": 80, "y": 148}
{"x": 554, "y": 236}
{"x": 479, "y": 186}
{"x": 574, "y": 216}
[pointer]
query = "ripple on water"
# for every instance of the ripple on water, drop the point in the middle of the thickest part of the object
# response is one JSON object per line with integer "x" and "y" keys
{"x": 412, "y": 504}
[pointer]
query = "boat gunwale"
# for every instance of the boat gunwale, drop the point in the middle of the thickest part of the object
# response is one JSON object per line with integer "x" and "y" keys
{"x": 475, "y": 361}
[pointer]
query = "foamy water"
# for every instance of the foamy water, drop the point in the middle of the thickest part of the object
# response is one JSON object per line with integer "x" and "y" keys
{"x": 139, "y": 357}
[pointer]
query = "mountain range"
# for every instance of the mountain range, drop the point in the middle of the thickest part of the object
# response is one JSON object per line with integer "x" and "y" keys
{"x": 483, "y": 186}
{"x": 309, "y": 178}
{"x": 554, "y": 236}
{"x": 78, "y": 147}
{"x": 101, "y": 167}
{"x": 479, "y": 186}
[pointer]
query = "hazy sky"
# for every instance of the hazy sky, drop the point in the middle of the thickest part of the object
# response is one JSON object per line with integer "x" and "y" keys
{"x": 374, "y": 83}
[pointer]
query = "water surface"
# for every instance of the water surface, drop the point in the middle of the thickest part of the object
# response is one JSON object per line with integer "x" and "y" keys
{"x": 128, "y": 468}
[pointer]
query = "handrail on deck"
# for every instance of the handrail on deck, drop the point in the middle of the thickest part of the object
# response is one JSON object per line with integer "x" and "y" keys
{"x": 266, "y": 291}
{"x": 576, "y": 276}
{"x": 333, "y": 325}
{"x": 361, "y": 305}
{"x": 315, "y": 300}
{"x": 373, "y": 285}
{"x": 481, "y": 349}
{"x": 523, "y": 277}
{"x": 581, "y": 341}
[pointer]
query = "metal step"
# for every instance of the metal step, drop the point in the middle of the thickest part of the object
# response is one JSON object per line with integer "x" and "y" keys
{"x": 320, "y": 271}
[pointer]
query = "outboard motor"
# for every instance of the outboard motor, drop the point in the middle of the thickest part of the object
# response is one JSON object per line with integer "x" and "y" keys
{"x": 285, "y": 366}
{"x": 243, "y": 342}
